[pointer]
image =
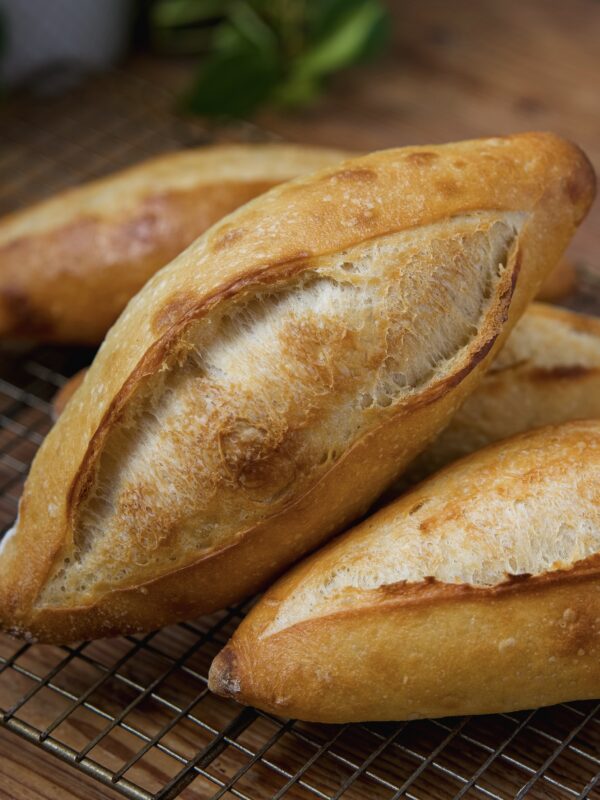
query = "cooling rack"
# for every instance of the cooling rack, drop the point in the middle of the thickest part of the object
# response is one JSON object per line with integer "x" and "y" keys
{"x": 135, "y": 712}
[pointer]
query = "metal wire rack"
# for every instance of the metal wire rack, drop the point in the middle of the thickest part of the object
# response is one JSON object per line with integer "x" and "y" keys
{"x": 135, "y": 712}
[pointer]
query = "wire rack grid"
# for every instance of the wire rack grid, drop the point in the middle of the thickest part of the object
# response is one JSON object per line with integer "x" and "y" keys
{"x": 135, "y": 712}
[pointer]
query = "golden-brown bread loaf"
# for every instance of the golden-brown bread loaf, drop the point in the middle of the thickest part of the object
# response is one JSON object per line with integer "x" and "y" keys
{"x": 547, "y": 372}
{"x": 70, "y": 264}
{"x": 261, "y": 390}
{"x": 66, "y": 392}
{"x": 478, "y": 592}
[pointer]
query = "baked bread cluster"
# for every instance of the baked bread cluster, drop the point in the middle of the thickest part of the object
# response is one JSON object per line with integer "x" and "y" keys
{"x": 336, "y": 338}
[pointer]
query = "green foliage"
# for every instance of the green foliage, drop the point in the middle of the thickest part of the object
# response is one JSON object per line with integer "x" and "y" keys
{"x": 267, "y": 52}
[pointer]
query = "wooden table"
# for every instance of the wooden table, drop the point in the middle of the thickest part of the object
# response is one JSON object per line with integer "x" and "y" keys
{"x": 455, "y": 70}
{"x": 28, "y": 773}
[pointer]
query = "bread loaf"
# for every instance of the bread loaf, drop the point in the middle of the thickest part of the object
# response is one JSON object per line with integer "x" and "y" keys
{"x": 261, "y": 390}
{"x": 476, "y": 593}
{"x": 70, "y": 264}
{"x": 547, "y": 372}
{"x": 66, "y": 392}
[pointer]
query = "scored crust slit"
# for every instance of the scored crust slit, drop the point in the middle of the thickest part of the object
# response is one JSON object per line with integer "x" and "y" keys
{"x": 548, "y": 372}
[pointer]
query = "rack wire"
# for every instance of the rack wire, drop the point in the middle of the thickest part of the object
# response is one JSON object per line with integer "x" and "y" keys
{"x": 135, "y": 712}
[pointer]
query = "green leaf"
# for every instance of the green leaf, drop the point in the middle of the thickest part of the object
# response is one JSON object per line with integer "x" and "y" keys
{"x": 345, "y": 43}
{"x": 250, "y": 25}
{"x": 377, "y": 39}
{"x": 183, "y": 42}
{"x": 272, "y": 51}
{"x": 296, "y": 92}
{"x": 233, "y": 84}
{"x": 178, "y": 13}
{"x": 227, "y": 39}
{"x": 323, "y": 16}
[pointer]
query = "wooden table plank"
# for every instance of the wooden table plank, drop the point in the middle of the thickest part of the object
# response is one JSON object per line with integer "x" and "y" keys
{"x": 28, "y": 773}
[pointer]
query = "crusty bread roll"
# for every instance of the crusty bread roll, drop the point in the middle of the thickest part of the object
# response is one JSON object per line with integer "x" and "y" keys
{"x": 66, "y": 392}
{"x": 70, "y": 264}
{"x": 261, "y": 390}
{"x": 476, "y": 593}
{"x": 547, "y": 372}
{"x": 560, "y": 283}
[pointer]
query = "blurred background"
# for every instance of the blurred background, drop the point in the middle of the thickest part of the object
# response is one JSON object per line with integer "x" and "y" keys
{"x": 88, "y": 87}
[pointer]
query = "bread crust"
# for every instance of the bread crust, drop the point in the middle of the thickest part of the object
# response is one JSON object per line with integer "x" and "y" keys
{"x": 547, "y": 373}
{"x": 70, "y": 264}
{"x": 66, "y": 392}
{"x": 274, "y": 239}
{"x": 431, "y": 648}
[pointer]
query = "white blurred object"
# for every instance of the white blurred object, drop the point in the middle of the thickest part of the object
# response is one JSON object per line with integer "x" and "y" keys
{"x": 77, "y": 35}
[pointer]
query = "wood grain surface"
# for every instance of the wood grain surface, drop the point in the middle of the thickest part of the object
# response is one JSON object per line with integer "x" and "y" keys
{"x": 28, "y": 773}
